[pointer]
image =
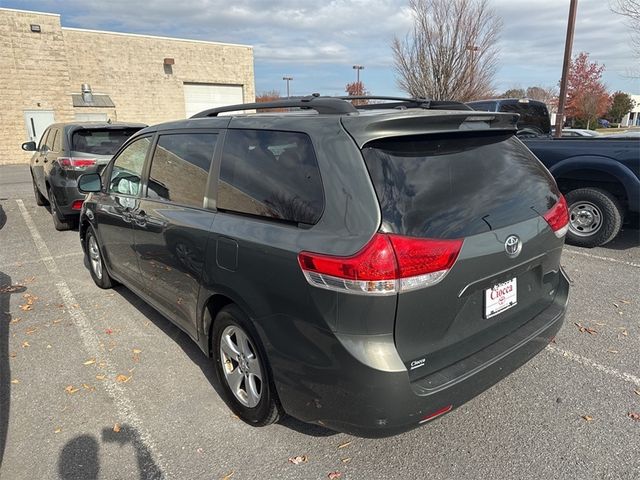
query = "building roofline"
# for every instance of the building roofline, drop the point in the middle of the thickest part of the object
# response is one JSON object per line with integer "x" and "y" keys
{"x": 29, "y": 11}
{"x": 108, "y": 32}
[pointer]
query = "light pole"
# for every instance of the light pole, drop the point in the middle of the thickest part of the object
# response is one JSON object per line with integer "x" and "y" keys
{"x": 568, "y": 45}
{"x": 357, "y": 68}
{"x": 287, "y": 79}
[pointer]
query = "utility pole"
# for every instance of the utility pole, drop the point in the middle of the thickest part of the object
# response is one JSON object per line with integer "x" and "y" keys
{"x": 568, "y": 45}
{"x": 357, "y": 68}
{"x": 287, "y": 79}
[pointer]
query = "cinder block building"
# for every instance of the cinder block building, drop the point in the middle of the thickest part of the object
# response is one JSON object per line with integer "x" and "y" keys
{"x": 50, "y": 73}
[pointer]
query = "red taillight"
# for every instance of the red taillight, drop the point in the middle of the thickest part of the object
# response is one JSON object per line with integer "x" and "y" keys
{"x": 386, "y": 265}
{"x": 558, "y": 217}
{"x": 77, "y": 205}
{"x": 69, "y": 163}
{"x": 437, "y": 413}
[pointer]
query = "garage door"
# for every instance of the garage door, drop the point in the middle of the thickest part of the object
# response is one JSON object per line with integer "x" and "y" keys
{"x": 200, "y": 96}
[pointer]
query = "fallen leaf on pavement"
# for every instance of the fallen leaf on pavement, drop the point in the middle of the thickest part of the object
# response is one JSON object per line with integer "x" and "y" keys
{"x": 11, "y": 288}
{"x": 634, "y": 416}
{"x": 100, "y": 377}
{"x": 15, "y": 320}
{"x": 15, "y": 380}
{"x": 588, "y": 418}
{"x": 57, "y": 430}
{"x": 345, "y": 444}
{"x": 86, "y": 386}
{"x": 26, "y": 307}
{"x": 71, "y": 389}
{"x": 616, "y": 305}
{"x": 624, "y": 332}
{"x": 136, "y": 351}
{"x": 228, "y": 475}
{"x": 12, "y": 354}
{"x": 123, "y": 378}
{"x": 345, "y": 460}
{"x": 116, "y": 427}
{"x": 31, "y": 330}
{"x": 627, "y": 302}
{"x": 25, "y": 344}
{"x": 584, "y": 329}
{"x": 91, "y": 361}
{"x": 333, "y": 475}
{"x": 613, "y": 351}
{"x": 637, "y": 392}
{"x": 108, "y": 331}
{"x": 298, "y": 459}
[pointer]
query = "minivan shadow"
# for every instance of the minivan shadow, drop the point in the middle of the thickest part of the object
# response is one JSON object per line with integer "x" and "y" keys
{"x": 203, "y": 362}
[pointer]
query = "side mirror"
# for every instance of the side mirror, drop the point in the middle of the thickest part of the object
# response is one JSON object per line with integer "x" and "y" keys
{"x": 90, "y": 182}
{"x": 29, "y": 146}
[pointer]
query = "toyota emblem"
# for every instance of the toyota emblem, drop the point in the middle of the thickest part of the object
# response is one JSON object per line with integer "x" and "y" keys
{"x": 513, "y": 246}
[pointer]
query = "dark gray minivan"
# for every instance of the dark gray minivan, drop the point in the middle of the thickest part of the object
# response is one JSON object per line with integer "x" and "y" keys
{"x": 367, "y": 268}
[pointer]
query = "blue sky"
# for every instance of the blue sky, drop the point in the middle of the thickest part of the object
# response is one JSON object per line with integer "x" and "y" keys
{"x": 318, "y": 42}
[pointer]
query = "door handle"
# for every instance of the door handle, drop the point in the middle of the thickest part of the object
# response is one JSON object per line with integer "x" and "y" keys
{"x": 140, "y": 218}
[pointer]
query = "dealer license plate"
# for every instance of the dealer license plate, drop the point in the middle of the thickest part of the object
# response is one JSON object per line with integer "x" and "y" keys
{"x": 500, "y": 297}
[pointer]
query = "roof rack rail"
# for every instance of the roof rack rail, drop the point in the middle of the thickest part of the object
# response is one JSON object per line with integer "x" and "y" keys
{"x": 323, "y": 105}
{"x": 401, "y": 103}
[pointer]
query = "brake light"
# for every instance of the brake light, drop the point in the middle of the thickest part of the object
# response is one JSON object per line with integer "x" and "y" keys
{"x": 77, "y": 205}
{"x": 558, "y": 217}
{"x": 388, "y": 264}
{"x": 69, "y": 163}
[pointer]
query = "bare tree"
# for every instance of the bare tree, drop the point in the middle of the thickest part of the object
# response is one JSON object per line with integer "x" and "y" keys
{"x": 451, "y": 53}
{"x": 547, "y": 95}
{"x": 631, "y": 10}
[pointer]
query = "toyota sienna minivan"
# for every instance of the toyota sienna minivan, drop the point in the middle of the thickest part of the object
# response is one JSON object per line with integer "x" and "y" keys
{"x": 367, "y": 268}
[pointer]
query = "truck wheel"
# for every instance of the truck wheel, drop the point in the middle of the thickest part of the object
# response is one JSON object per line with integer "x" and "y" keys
{"x": 41, "y": 200}
{"x": 595, "y": 217}
{"x": 60, "y": 222}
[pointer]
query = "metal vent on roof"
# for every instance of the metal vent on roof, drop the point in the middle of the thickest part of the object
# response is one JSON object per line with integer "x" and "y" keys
{"x": 89, "y": 99}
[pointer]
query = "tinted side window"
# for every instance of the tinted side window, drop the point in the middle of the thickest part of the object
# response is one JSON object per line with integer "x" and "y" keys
{"x": 127, "y": 169}
{"x": 57, "y": 141}
{"x": 43, "y": 141}
{"x": 180, "y": 167}
{"x": 270, "y": 174}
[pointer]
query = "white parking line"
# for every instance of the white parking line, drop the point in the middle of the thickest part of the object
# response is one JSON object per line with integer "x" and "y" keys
{"x": 608, "y": 259}
{"x": 38, "y": 260}
{"x": 91, "y": 342}
{"x": 587, "y": 362}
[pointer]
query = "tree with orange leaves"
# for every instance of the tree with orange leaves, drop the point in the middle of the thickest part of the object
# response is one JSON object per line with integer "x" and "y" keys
{"x": 587, "y": 97}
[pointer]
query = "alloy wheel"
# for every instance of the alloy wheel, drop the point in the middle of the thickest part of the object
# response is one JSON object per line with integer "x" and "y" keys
{"x": 241, "y": 366}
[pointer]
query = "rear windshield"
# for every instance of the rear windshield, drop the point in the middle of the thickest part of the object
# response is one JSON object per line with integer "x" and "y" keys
{"x": 454, "y": 186}
{"x": 100, "y": 142}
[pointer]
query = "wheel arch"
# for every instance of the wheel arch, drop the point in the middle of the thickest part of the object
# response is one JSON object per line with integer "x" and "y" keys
{"x": 598, "y": 172}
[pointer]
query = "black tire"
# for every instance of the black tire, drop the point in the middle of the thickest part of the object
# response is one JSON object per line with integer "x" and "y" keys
{"x": 610, "y": 213}
{"x": 99, "y": 275}
{"x": 268, "y": 409}
{"x": 60, "y": 222}
{"x": 41, "y": 200}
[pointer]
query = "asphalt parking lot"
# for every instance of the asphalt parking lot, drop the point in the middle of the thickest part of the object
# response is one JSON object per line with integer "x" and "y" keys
{"x": 94, "y": 384}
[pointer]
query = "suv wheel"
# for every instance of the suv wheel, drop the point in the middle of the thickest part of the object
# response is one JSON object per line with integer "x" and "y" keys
{"x": 93, "y": 255}
{"x": 60, "y": 222}
{"x": 595, "y": 217}
{"x": 41, "y": 200}
{"x": 242, "y": 369}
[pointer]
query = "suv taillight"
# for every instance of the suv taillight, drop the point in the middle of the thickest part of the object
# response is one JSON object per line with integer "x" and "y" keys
{"x": 558, "y": 217}
{"x": 68, "y": 163}
{"x": 386, "y": 265}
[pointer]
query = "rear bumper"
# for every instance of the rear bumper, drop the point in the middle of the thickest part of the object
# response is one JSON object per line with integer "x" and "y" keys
{"x": 66, "y": 192}
{"x": 351, "y": 397}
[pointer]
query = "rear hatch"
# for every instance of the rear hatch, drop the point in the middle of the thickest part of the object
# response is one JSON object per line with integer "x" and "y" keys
{"x": 484, "y": 195}
{"x": 92, "y": 148}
